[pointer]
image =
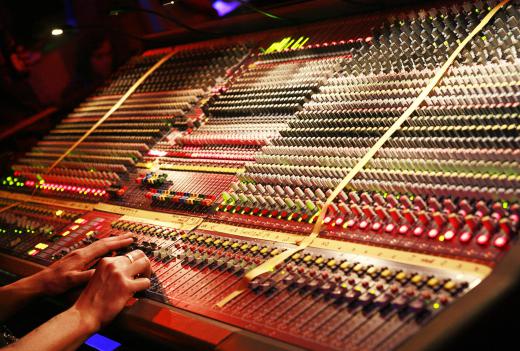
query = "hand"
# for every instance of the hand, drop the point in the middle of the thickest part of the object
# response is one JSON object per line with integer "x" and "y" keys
{"x": 70, "y": 271}
{"x": 115, "y": 281}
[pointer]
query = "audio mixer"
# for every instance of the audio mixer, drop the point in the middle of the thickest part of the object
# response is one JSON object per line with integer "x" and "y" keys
{"x": 230, "y": 155}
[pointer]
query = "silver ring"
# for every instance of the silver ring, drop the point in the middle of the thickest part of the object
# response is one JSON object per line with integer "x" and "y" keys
{"x": 130, "y": 257}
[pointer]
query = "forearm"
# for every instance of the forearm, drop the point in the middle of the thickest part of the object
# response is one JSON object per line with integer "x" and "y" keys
{"x": 14, "y": 296}
{"x": 65, "y": 332}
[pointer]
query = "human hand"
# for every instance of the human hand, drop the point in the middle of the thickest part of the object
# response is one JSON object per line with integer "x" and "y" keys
{"x": 115, "y": 281}
{"x": 71, "y": 270}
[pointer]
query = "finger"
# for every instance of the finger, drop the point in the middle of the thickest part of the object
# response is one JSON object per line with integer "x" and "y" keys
{"x": 140, "y": 284}
{"x": 81, "y": 277}
{"x": 131, "y": 257}
{"x": 134, "y": 255}
{"x": 104, "y": 246}
{"x": 119, "y": 237}
{"x": 140, "y": 266}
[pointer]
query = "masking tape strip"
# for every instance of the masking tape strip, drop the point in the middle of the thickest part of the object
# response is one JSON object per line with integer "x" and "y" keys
{"x": 270, "y": 264}
{"x": 112, "y": 109}
{"x": 118, "y": 104}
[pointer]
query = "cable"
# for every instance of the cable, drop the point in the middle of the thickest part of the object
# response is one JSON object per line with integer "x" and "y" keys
{"x": 168, "y": 18}
{"x": 265, "y": 13}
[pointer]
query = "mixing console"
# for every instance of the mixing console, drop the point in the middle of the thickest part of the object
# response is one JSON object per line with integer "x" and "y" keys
{"x": 225, "y": 156}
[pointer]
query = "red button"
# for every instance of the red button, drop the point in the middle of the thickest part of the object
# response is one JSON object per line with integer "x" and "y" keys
{"x": 483, "y": 239}
{"x": 418, "y": 231}
{"x": 433, "y": 233}
{"x": 500, "y": 241}
{"x": 465, "y": 237}
{"x": 450, "y": 234}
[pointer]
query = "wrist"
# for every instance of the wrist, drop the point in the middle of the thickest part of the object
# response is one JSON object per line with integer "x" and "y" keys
{"x": 39, "y": 282}
{"x": 33, "y": 285}
{"x": 87, "y": 322}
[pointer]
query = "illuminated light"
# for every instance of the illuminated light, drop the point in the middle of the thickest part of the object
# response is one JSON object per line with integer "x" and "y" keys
{"x": 57, "y": 31}
{"x": 100, "y": 342}
{"x": 33, "y": 252}
{"x": 390, "y": 227}
{"x": 403, "y": 229}
{"x": 433, "y": 233}
{"x": 500, "y": 241}
{"x": 376, "y": 226}
{"x": 483, "y": 239}
{"x": 418, "y": 231}
{"x": 450, "y": 234}
{"x": 339, "y": 221}
{"x": 80, "y": 220}
{"x": 65, "y": 233}
{"x": 351, "y": 222}
{"x": 286, "y": 43}
{"x": 74, "y": 227}
{"x": 441, "y": 238}
{"x": 436, "y": 305}
{"x": 363, "y": 224}
{"x": 41, "y": 246}
{"x": 313, "y": 218}
{"x": 59, "y": 213}
{"x": 327, "y": 220}
{"x": 157, "y": 153}
{"x": 465, "y": 237}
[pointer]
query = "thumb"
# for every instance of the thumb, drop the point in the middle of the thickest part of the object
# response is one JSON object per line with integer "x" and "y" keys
{"x": 81, "y": 277}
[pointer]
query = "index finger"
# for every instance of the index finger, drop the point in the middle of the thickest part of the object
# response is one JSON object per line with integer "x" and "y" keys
{"x": 104, "y": 246}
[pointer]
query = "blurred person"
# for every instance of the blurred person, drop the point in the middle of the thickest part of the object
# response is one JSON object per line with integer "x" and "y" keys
{"x": 95, "y": 63}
